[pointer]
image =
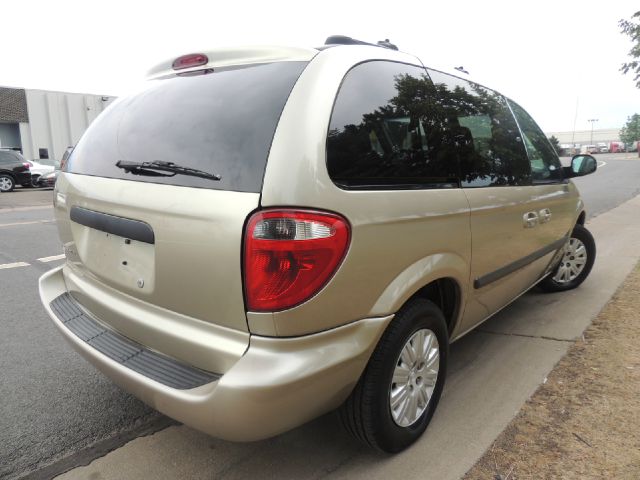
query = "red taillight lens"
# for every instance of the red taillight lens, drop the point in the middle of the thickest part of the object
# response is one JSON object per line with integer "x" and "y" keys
{"x": 289, "y": 255}
{"x": 26, "y": 165}
{"x": 191, "y": 60}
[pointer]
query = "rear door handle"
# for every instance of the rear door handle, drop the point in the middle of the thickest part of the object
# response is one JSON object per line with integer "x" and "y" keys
{"x": 530, "y": 219}
{"x": 545, "y": 215}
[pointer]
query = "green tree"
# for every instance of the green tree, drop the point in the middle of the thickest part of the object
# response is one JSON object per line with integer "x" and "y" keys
{"x": 556, "y": 143}
{"x": 632, "y": 29}
{"x": 631, "y": 130}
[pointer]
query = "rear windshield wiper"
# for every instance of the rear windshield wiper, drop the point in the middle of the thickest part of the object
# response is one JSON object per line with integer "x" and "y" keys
{"x": 152, "y": 169}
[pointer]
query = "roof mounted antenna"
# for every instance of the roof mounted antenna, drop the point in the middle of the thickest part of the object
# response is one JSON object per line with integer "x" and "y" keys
{"x": 343, "y": 40}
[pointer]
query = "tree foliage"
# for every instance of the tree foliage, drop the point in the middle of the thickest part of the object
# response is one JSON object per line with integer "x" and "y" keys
{"x": 632, "y": 29}
{"x": 631, "y": 130}
{"x": 555, "y": 142}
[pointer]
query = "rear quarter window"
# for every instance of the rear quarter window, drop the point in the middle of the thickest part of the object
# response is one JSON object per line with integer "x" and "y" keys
{"x": 383, "y": 134}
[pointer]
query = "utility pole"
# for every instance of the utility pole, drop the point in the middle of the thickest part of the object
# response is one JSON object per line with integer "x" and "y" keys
{"x": 592, "y": 121}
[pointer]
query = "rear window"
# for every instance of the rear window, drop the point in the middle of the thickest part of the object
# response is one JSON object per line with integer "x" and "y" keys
{"x": 221, "y": 122}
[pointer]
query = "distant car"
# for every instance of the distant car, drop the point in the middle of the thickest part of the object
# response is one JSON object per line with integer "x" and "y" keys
{"x": 14, "y": 169}
{"x": 603, "y": 149}
{"x": 49, "y": 179}
{"x": 38, "y": 168}
{"x": 591, "y": 149}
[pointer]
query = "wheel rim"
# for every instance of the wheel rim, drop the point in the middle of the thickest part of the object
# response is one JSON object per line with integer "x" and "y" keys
{"x": 414, "y": 377}
{"x": 573, "y": 262}
{"x": 5, "y": 184}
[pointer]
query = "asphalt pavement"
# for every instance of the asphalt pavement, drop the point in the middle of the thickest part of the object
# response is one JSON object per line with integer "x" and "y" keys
{"x": 616, "y": 181}
{"x": 53, "y": 402}
{"x": 58, "y": 412}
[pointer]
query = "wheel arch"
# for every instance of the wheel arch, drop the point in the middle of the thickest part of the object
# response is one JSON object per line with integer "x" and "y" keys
{"x": 439, "y": 278}
{"x": 445, "y": 293}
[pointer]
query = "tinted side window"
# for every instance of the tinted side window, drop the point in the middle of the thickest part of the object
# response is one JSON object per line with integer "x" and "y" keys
{"x": 382, "y": 132}
{"x": 486, "y": 136}
{"x": 545, "y": 164}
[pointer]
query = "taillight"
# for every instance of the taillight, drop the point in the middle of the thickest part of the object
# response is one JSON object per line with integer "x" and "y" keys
{"x": 289, "y": 255}
{"x": 26, "y": 165}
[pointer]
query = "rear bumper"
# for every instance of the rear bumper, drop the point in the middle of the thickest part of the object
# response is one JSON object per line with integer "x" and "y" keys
{"x": 278, "y": 384}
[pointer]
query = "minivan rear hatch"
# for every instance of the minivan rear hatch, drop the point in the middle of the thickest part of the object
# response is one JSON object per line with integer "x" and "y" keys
{"x": 167, "y": 229}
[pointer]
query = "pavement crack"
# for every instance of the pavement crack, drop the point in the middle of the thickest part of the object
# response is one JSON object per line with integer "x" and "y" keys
{"x": 542, "y": 337}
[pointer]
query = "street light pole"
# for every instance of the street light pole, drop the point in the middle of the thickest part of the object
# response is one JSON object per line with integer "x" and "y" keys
{"x": 592, "y": 121}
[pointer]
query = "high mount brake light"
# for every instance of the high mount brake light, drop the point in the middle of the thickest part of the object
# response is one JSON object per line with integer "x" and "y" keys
{"x": 190, "y": 60}
{"x": 289, "y": 255}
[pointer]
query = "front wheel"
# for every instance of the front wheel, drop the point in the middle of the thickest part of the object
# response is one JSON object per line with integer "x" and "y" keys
{"x": 395, "y": 398}
{"x": 576, "y": 263}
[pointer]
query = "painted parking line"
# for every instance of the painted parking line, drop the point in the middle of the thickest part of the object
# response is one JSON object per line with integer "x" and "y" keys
{"x": 14, "y": 265}
{"x": 26, "y": 223}
{"x": 601, "y": 163}
{"x": 52, "y": 258}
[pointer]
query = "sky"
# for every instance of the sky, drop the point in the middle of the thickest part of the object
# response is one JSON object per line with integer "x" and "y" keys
{"x": 559, "y": 59}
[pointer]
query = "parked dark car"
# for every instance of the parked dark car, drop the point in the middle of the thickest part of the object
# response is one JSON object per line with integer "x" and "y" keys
{"x": 14, "y": 169}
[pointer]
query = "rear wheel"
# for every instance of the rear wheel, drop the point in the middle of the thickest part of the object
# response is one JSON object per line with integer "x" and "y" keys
{"x": 576, "y": 263}
{"x": 34, "y": 181}
{"x": 399, "y": 390}
{"x": 7, "y": 183}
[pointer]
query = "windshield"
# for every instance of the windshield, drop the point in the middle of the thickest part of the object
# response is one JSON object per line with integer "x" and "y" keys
{"x": 220, "y": 122}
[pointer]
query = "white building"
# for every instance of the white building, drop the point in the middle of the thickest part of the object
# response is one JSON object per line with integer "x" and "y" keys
{"x": 42, "y": 124}
{"x": 585, "y": 137}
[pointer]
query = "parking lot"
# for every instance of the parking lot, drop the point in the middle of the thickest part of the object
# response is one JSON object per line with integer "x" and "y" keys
{"x": 58, "y": 412}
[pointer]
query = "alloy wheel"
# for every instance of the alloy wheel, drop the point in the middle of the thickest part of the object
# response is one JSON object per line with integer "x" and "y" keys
{"x": 414, "y": 377}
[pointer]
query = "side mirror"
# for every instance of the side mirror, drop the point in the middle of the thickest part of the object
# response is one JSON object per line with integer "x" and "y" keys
{"x": 581, "y": 165}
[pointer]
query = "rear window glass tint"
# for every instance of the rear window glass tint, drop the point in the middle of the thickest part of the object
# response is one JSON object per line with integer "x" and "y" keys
{"x": 222, "y": 123}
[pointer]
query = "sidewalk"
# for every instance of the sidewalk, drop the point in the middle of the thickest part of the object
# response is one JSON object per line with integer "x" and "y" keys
{"x": 493, "y": 372}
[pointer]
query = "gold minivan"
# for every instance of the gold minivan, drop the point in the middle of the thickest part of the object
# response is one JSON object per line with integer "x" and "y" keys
{"x": 262, "y": 235}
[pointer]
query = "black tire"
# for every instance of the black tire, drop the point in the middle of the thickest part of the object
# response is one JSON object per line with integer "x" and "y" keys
{"x": 367, "y": 412}
{"x": 34, "y": 181}
{"x": 581, "y": 234}
{"x": 7, "y": 182}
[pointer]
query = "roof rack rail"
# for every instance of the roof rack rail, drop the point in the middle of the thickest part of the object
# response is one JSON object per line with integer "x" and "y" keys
{"x": 343, "y": 40}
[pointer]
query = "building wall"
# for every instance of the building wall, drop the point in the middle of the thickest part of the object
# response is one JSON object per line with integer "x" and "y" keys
{"x": 57, "y": 120}
{"x": 583, "y": 137}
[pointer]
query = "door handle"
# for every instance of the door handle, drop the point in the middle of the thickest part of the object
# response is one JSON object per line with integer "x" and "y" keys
{"x": 545, "y": 215}
{"x": 530, "y": 219}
